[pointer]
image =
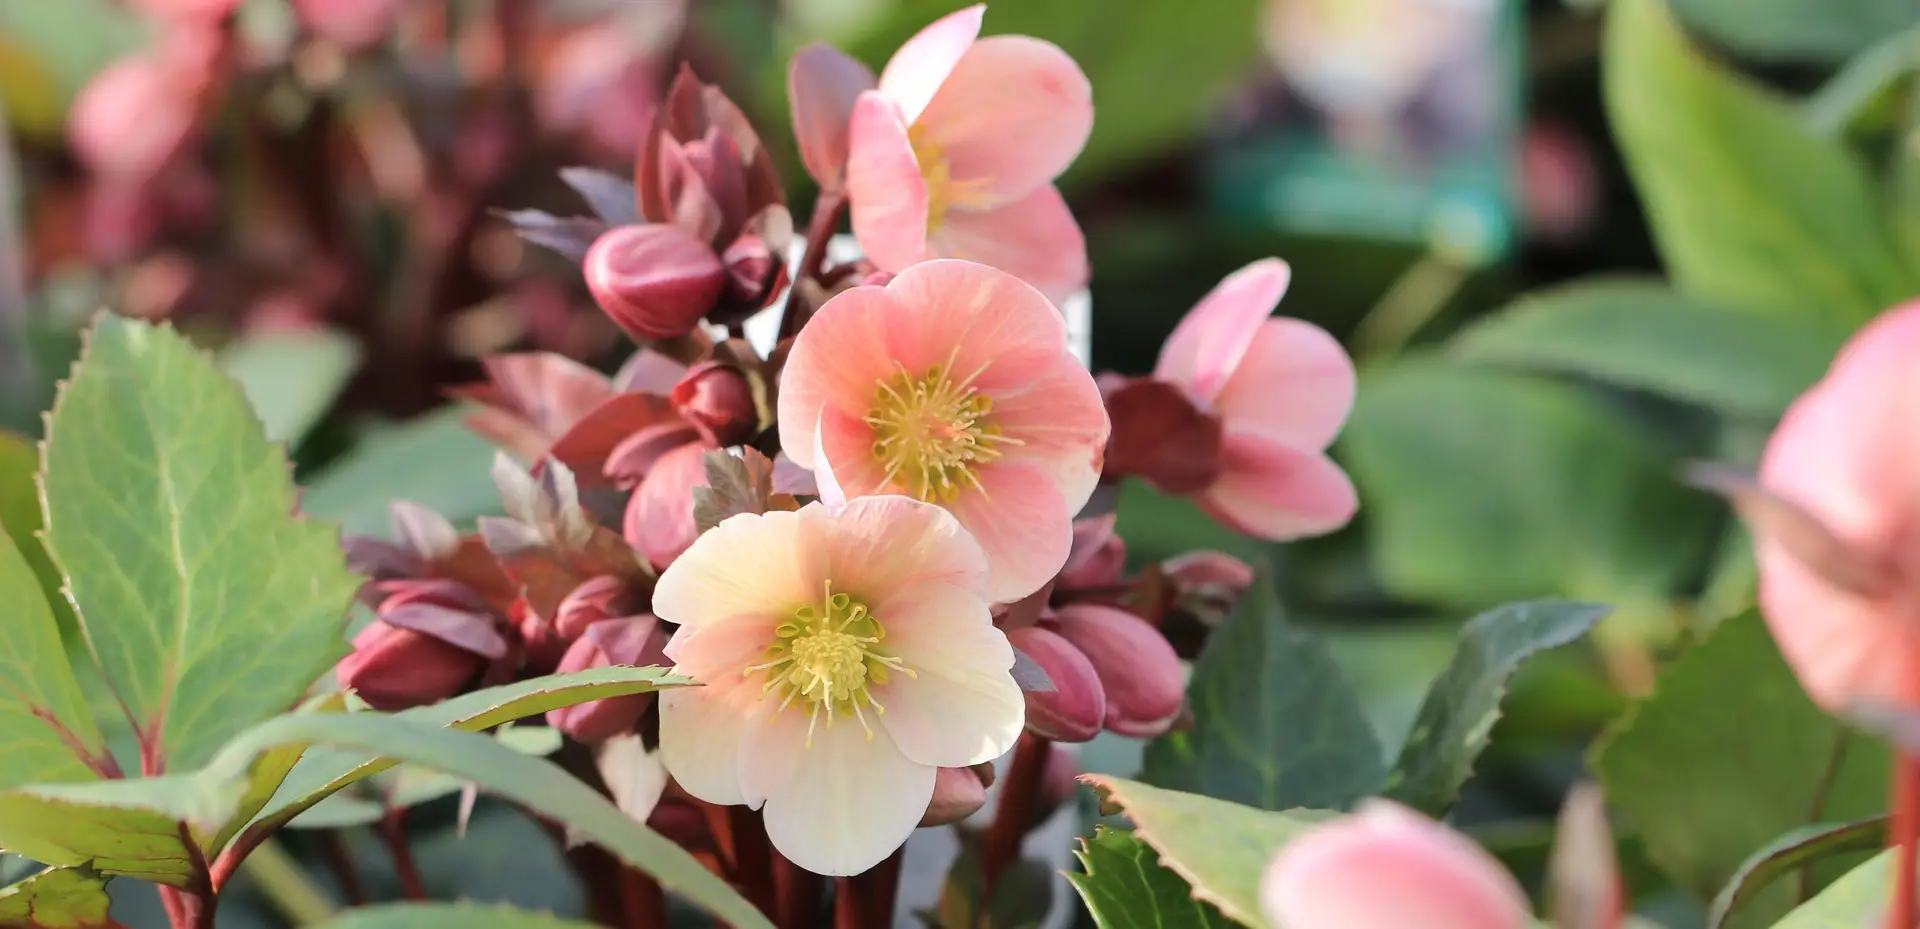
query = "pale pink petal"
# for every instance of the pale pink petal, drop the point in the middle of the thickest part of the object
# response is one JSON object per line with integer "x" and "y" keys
{"x": 1276, "y": 492}
{"x": 884, "y": 186}
{"x": 1011, "y": 117}
{"x": 961, "y": 706}
{"x": 847, "y": 443}
{"x": 705, "y": 584}
{"x": 915, "y": 72}
{"x": 879, "y": 545}
{"x": 1022, "y": 523}
{"x": 701, "y": 735}
{"x": 660, "y": 516}
{"x": 1295, "y": 386}
{"x": 822, "y": 84}
{"x": 850, "y": 800}
{"x": 838, "y": 361}
{"x": 1062, "y": 424}
{"x": 1845, "y": 649}
{"x": 1035, "y": 239}
{"x": 984, "y": 324}
{"x": 1210, "y": 340}
{"x": 718, "y": 651}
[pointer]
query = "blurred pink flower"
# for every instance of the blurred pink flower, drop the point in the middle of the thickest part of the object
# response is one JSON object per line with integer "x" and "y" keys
{"x": 1836, "y": 529}
{"x": 135, "y": 116}
{"x": 351, "y": 23}
{"x": 955, "y": 152}
{"x": 953, "y": 385}
{"x": 848, "y": 654}
{"x": 1281, "y": 389}
{"x": 1388, "y": 867}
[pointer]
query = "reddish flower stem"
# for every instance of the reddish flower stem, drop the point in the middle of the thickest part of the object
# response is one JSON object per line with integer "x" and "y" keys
{"x": 393, "y": 831}
{"x": 798, "y": 894}
{"x": 865, "y": 900}
{"x": 641, "y": 900}
{"x": 1905, "y": 837}
{"x": 753, "y": 859}
{"x": 334, "y": 850}
{"x": 820, "y": 230}
{"x": 1019, "y": 800}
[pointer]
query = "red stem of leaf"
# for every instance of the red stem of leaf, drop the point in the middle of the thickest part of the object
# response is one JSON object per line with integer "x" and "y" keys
{"x": 334, "y": 849}
{"x": 1906, "y": 837}
{"x": 752, "y": 858}
{"x": 1019, "y": 799}
{"x": 820, "y": 230}
{"x": 393, "y": 831}
{"x": 865, "y": 900}
{"x": 642, "y": 901}
{"x": 799, "y": 894}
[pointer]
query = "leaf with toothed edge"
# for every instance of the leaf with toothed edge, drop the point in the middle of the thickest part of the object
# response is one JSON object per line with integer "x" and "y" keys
{"x": 47, "y": 733}
{"x": 735, "y": 485}
{"x": 57, "y": 898}
{"x": 151, "y": 828}
{"x": 1125, "y": 887}
{"x": 209, "y": 604}
{"x": 20, "y": 517}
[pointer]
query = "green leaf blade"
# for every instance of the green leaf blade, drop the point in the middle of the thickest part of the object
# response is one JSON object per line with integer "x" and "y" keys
{"x": 151, "y": 828}
{"x": 57, "y": 898}
{"x": 1794, "y": 852}
{"x": 291, "y": 378}
{"x": 448, "y": 916}
{"x": 1125, "y": 887}
{"x": 47, "y": 733}
{"x": 20, "y": 517}
{"x": 1859, "y": 898}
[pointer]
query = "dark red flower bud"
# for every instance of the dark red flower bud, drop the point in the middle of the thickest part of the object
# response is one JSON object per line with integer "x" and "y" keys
{"x": 957, "y": 794}
{"x": 395, "y": 669}
{"x": 1076, "y": 707}
{"x": 716, "y": 399}
{"x": 628, "y": 641}
{"x": 750, "y": 264}
{"x": 655, "y": 281}
{"x": 1138, "y": 671}
{"x": 605, "y": 597}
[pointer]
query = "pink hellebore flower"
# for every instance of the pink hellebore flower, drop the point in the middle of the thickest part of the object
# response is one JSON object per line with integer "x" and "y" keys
{"x": 1836, "y": 526}
{"x": 848, "y": 655}
{"x": 1281, "y": 389}
{"x": 954, "y": 154}
{"x": 1387, "y": 867}
{"x": 952, "y": 385}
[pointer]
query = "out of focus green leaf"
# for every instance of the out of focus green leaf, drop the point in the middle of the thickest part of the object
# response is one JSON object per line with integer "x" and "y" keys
{"x": 1794, "y": 852}
{"x": 1486, "y": 486}
{"x": 1125, "y": 887}
{"x": 1641, "y": 334}
{"x": 57, "y": 898}
{"x": 1822, "y": 31}
{"x": 1727, "y": 755}
{"x": 448, "y": 916}
{"x": 48, "y": 50}
{"x": 1857, "y": 899}
{"x": 1750, "y": 207}
{"x": 434, "y": 461}
{"x": 291, "y": 378}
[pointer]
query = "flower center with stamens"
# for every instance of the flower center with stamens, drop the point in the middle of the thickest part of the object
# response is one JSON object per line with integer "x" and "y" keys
{"x": 943, "y": 191}
{"x": 827, "y": 658}
{"x": 932, "y": 432}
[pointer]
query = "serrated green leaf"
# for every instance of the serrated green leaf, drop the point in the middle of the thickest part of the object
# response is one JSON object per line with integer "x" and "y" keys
{"x": 1219, "y": 848}
{"x": 291, "y": 378}
{"x": 1488, "y": 486}
{"x": 1726, "y": 755}
{"x": 209, "y": 604}
{"x": 448, "y": 916}
{"x": 46, "y": 731}
{"x": 433, "y": 460}
{"x": 1125, "y": 887}
{"x": 1794, "y": 852}
{"x": 1858, "y": 900}
{"x": 1463, "y": 704}
{"x": 1749, "y": 207}
{"x": 57, "y": 898}
{"x": 151, "y": 828}
{"x": 20, "y": 517}
{"x": 264, "y": 781}
{"x": 1642, "y": 334}
{"x": 1276, "y": 724}
{"x": 1821, "y": 31}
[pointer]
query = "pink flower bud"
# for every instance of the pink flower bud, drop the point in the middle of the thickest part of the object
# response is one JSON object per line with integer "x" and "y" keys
{"x": 604, "y": 597}
{"x": 349, "y": 23}
{"x": 1138, "y": 670}
{"x": 1075, "y": 708}
{"x": 716, "y": 399}
{"x": 1387, "y": 867}
{"x": 629, "y": 641}
{"x": 1583, "y": 873}
{"x": 957, "y": 793}
{"x": 750, "y": 264}
{"x": 1098, "y": 557}
{"x": 1208, "y": 584}
{"x": 133, "y": 118}
{"x": 655, "y": 281}
{"x": 394, "y": 669}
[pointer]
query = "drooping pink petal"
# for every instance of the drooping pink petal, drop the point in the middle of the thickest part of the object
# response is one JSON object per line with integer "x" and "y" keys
{"x": 838, "y": 361}
{"x": 1062, "y": 426}
{"x": 961, "y": 707}
{"x": 1011, "y": 117}
{"x": 701, "y": 731}
{"x": 660, "y": 517}
{"x": 850, "y": 801}
{"x": 915, "y": 72}
{"x": 822, "y": 85}
{"x": 1295, "y": 385}
{"x": 1023, "y": 525}
{"x": 775, "y": 549}
{"x": 1035, "y": 239}
{"x": 717, "y": 651}
{"x": 1276, "y": 492}
{"x": 879, "y": 545}
{"x": 885, "y": 189}
{"x": 989, "y": 327}
{"x": 1210, "y": 340}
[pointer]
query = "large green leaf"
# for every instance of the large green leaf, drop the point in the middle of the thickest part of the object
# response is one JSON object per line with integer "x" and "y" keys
{"x": 1125, "y": 887}
{"x": 1794, "y": 852}
{"x": 1460, "y": 710}
{"x": 20, "y": 516}
{"x": 1749, "y": 206}
{"x": 1799, "y": 30}
{"x": 1858, "y": 899}
{"x": 46, "y": 731}
{"x": 1486, "y": 486}
{"x": 448, "y": 916}
{"x": 57, "y": 898}
{"x": 1727, "y": 755}
{"x": 151, "y": 828}
{"x": 1642, "y": 334}
{"x": 291, "y": 378}
{"x": 1276, "y": 724}
{"x": 210, "y": 604}
{"x": 1220, "y": 848}
{"x": 434, "y": 460}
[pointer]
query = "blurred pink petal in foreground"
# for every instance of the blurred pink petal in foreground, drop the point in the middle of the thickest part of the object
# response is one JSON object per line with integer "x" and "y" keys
{"x": 1836, "y": 521}
{"x": 954, "y": 154}
{"x": 953, "y": 385}
{"x": 1388, "y": 867}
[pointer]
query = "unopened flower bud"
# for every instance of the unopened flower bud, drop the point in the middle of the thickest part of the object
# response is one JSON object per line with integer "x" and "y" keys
{"x": 1098, "y": 557}
{"x": 604, "y": 597}
{"x": 133, "y": 118}
{"x": 1138, "y": 670}
{"x": 627, "y": 641}
{"x": 655, "y": 281}
{"x": 1076, "y": 707}
{"x": 716, "y": 399}
{"x": 1207, "y": 584}
{"x": 751, "y": 265}
{"x": 957, "y": 793}
{"x": 395, "y": 669}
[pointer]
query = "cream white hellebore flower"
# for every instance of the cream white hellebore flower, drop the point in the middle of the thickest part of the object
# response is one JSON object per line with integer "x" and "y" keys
{"x": 847, "y": 655}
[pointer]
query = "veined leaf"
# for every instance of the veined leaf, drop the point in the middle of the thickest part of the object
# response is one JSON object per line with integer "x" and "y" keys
{"x": 46, "y": 731}
{"x": 1125, "y": 887}
{"x": 57, "y": 898}
{"x": 151, "y": 828}
{"x": 20, "y": 517}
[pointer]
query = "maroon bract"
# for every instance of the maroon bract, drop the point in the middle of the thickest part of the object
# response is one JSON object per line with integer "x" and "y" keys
{"x": 717, "y": 400}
